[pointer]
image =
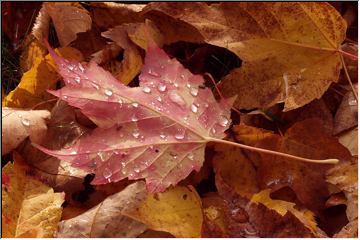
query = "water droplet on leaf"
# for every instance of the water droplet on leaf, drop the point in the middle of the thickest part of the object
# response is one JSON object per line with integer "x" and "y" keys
{"x": 25, "y": 122}
{"x": 194, "y": 91}
{"x": 146, "y": 89}
{"x": 134, "y": 118}
{"x": 77, "y": 79}
{"x": 176, "y": 98}
{"x": 107, "y": 173}
{"x": 136, "y": 134}
{"x": 159, "y": 99}
{"x": 135, "y": 104}
{"x": 223, "y": 121}
{"x": 108, "y": 92}
{"x": 153, "y": 73}
{"x": 194, "y": 108}
{"x": 162, "y": 87}
{"x": 180, "y": 134}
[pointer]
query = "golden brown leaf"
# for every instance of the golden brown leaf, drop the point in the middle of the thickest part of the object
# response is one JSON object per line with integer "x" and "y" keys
{"x": 29, "y": 208}
{"x": 41, "y": 77}
{"x": 290, "y": 50}
{"x": 177, "y": 211}
{"x": 250, "y": 135}
{"x": 33, "y": 49}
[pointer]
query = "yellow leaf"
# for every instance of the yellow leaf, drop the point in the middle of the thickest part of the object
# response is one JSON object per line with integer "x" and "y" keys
{"x": 29, "y": 207}
{"x": 33, "y": 50}
{"x": 41, "y": 77}
{"x": 282, "y": 207}
{"x": 177, "y": 211}
{"x": 141, "y": 33}
{"x": 290, "y": 50}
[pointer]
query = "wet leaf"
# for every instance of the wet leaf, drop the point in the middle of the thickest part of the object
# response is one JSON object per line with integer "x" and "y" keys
{"x": 29, "y": 207}
{"x": 41, "y": 77}
{"x": 286, "y": 59}
{"x": 17, "y": 125}
{"x": 157, "y": 131}
{"x": 107, "y": 219}
{"x": 177, "y": 211}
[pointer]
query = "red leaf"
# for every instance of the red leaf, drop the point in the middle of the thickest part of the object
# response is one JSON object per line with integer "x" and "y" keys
{"x": 157, "y": 131}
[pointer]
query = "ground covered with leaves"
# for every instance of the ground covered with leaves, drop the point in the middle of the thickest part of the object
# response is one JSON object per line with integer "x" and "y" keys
{"x": 179, "y": 120}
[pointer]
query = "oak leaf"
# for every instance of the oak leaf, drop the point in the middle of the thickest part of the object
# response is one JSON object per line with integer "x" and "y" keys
{"x": 29, "y": 207}
{"x": 17, "y": 125}
{"x": 157, "y": 131}
{"x": 177, "y": 211}
{"x": 41, "y": 77}
{"x": 285, "y": 58}
{"x": 107, "y": 218}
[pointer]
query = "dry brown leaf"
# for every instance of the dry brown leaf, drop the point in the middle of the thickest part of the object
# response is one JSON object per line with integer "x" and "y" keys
{"x": 142, "y": 33}
{"x": 214, "y": 219}
{"x": 19, "y": 124}
{"x": 307, "y": 139}
{"x": 250, "y": 135}
{"x": 350, "y": 140}
{"x": 33, "y": 50}
{"x": 29, "y": 207}
{"x": 107, "y": 219}
{"x": 110, "y": 14}
{"x": 236, "y": 169}
{"x": 177, "y": 211}
{"x": 68, "y": 18}
{"x": 347, "y": 114}
{"x": 34, "y": 84}
{"x": 286, "y": 59}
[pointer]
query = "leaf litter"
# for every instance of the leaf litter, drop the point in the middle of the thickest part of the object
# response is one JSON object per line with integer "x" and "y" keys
{"x": 275, "y": 168}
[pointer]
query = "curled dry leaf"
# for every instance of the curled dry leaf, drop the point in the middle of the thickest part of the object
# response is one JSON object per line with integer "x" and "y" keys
{"x": 177, "y": 211}
{"x": 157, "y": 131}
{"x": 107, "y": 219}
{"x": 41, "y": 77}
{"x": 286, "y": 59}
{"x": 17, "y": 125}
{"x": 29, "y": 207}
{"x": 68, "y": 18}
{"x": 345, "y": 177}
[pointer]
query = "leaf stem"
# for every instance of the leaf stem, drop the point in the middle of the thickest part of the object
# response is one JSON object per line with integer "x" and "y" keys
{"x": 348, "y": 78}
{"x": 326, "y": 161}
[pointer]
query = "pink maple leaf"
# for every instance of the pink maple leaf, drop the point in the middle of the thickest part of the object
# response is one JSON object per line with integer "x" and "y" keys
{"x": 157, "y": 131}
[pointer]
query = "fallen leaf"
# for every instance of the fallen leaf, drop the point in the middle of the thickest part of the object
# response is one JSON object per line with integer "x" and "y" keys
{"x": 142, "y": 33}
{"x": 282, "y": 207}
{"x": 110, "y": 14}
{"x": 157, "y": 131}
{"x": 68, "y": 18}
{"x": 107, "y": 218}
{"x": 29, "y": 208}
{"x": 177, "y": 211}
{"x": 250, "y": 135}
{"x": 347, "y": 114}
{"x": 19, "y": 124}
{"x": 245, "y": 218}
{"x": 41, "y": 77}
{"x": 308, "y": 139}
{"x": 236, "y": 169}
{"x": 33, "y": 49}
{"x": 285, "y": 59}
{"x": 213, "y": 214}
{"x": 345, "y": 177}
{"x": 350, "y": 140}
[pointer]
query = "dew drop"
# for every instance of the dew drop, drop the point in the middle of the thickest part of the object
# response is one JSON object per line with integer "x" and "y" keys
{"x": 107, "y": 173}
{"x": 162, "y": 66}
{"x": 176, "y": 98}
{"x": 82, "y": 69}
{"x": 176, "y": 85}
{"x": 188, "y": 85}
{"x": 194, "y": 91}
{"x": 120, "y": 101}
{"x": 159, "y": 99}
{"x": 77, "y": 79}
{"x": 123, "y": 171}
{"x": 352, "y": 102}
{"x": 73, "y": 152}
{"x": 123, "y": 164}
{"x": 152, "y": 73}
{"x": 174, "y": 155}
{"x": 137, "y": 170}
{"x": 180, "y": 134}
{"x": 25, "y": 122}
{"x": 162, "y": 87}
{"x": 135, "y": 104}
{"x": 162, "y": 136}
{"x": 134, "y": 118}
{"x": 194, "y": 108}
{"x": 108, "y": 92}
{"x": 146, "y": 89}
{"x": 182, "y": 76}
{"x": 190, "y": 156}
{"x": 223, "y": 121}
{"x": 213, "y": 130}
{"x": 136, "y": 134}
{"x": 71, "y": 67}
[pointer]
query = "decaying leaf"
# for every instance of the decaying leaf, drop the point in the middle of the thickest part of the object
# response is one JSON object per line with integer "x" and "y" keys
{"x": 18, "y": 125}
{"x": 286, "y": 59}
{"x": 157, "y": 131}
{"x": 41, "y": 77}
{"x": 177, "y": 211}
{"x": 68, "y": 18}
{"x": 107, "y": 219}
{"x": 347, "y": 114}
{"x": 308, "y": 139}
{"x": 213, "y": 214}
{"x": 29, "y": 208}
{"x": 345, "y": 177}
